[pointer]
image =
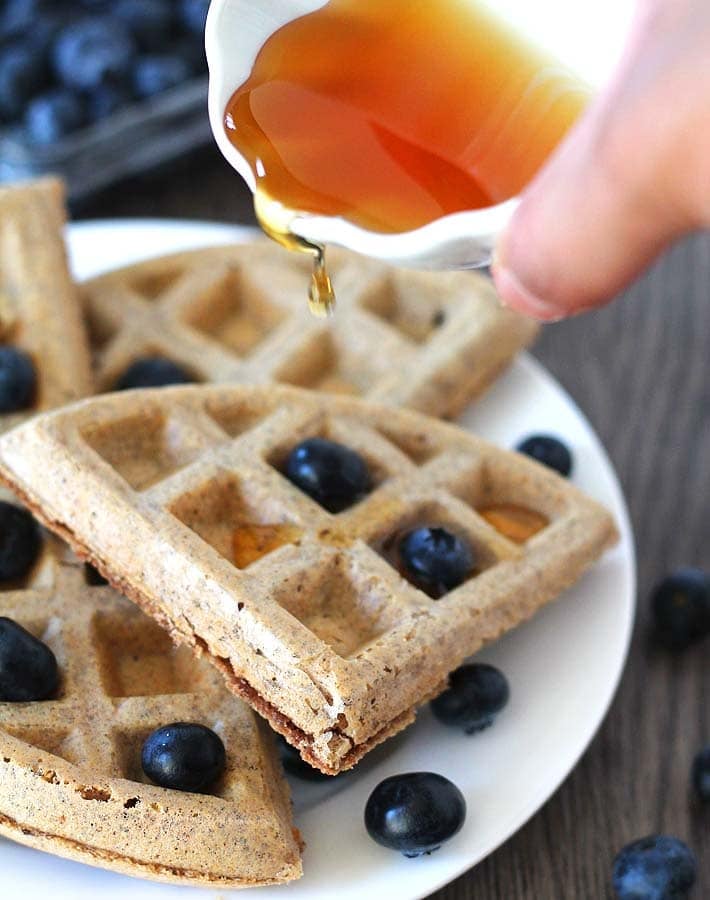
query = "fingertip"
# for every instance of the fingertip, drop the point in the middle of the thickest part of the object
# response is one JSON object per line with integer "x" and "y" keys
{"x": 516, "y": 296}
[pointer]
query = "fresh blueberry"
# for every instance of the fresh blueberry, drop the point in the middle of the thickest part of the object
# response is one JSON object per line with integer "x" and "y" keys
{"x": 150, "y": 21}
{"x": 549, "y": 451}
{"x": 158, "y": 73}
{"x": 333, "y": 475}
{"x": 152, "y": 371}
{"x": 193, "y": 15}
{"x": 414, "y": 813}
{"x": 701, "y": 774}
{"x": 107, "y": 99}
{"x": 183, "y": 756}
{"x": 474, "y": 697}
{"x": 53, "y": 116}
{"x": 28, "y": 668}
{"x": 435, "y": 560}
{"x": 18, "y": 380}
{"x": 681, "y": 608}
{"x": 92, "y": 51}
{"x": 22, "y": 75}
{"x": 20, "y": 541}
{"x": 93, "y": 576}
{"x": 295, "y": 765}
{"x": 654, "y": 868}
{"x": 17, "y": 16}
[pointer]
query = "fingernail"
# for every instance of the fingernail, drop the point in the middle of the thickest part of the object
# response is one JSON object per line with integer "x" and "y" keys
{"x": 516, "y": 296}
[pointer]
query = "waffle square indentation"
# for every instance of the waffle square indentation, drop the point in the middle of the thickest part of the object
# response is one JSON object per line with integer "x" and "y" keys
{"x": 416, "y": 315}
{"x": 235, "y": 312}
{"x": 144, "y": 448}
{"x": 138, "y": 659}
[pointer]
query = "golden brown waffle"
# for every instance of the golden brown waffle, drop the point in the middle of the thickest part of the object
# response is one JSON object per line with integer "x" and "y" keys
{"x": 162, "y": 490}
{"x": 39, "y": 304}
{"x": 70, "y": 776}
{"x": 69, "y": 768}
{"x": 431, "y": 342}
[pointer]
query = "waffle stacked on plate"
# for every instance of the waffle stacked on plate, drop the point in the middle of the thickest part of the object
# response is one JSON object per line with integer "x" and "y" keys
{"x": 177, "y": 495}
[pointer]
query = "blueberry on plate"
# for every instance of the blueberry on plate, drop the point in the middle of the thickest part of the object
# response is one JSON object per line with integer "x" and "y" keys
{"x": 20, "y": 541}
{"x": 701, "y": 774}
{"x": 183, "y": 756}
{"x": 18, "y": 380}
{"x": 331, "y": 474}
{"x": 681, "y": 608}
{"x": 157, "y": 73}
{"x": 92, "y": 51}
{"x": 295, "y": 765}
{"x": 28, "y": 668}
{"x": 414, "y": 813}
{"x": 548, "y": 450}
{"x": 435, "y": 560}
{"x": 54, "y": 115}
{"x": 22, "y": 75}
{"x": 152, "y": 371}
{"x": 474, "y": 697}
{"x": 193, "y": 15}
{"x": 150, "y": 21}
{"x": 105, "y": 100}
{"x": 657, "y": 867}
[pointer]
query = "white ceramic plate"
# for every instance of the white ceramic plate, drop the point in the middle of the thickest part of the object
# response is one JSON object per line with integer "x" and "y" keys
{"x": 563, "y": 668}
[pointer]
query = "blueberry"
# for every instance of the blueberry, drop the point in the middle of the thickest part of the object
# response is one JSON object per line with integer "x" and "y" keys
{"x": 150, "y": 21}
{"x": 18, "y": 380}
{"x": 701, "y": 774}
{"x": 333, "y": 475}
{"x": 46, "y": 28}
{"x": 681, "y": 608}
{"x": 158, "y": 73}
{"x": 93, "y": 576}
{"x": 93, "y": 50}
{"x": 183, "y": 756}
{"x": 295, "y": 765}
{"x": 654, "y": 868}
{"x": 28, "y": 668}
{"x": 22, "y": 75}
{"x": 435, "y": 560}
{"x": 474, "y": 697}
{"x": 20, "y": 541}
{"x": 107, "y": 99}
{"x": 152, "y": 371}
{"x": 19, "y": 15}
{"x": 53, "y": 116}
{"x": 414, "y": 813}
{"x": 193, "y": 15}
{"x": 549, "y": 451}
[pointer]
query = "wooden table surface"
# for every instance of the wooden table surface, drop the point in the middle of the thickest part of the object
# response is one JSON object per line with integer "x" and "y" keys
{"x": 640, "y": 370}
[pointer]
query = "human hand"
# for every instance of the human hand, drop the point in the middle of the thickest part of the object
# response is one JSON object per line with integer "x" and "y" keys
{"x": 632, "y": 176}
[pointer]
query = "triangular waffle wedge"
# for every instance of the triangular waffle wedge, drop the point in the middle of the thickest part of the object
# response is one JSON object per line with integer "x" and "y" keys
{"x": 70, "y": 774}
{"x": 39, "y": 303}
{"x": 68, "y": 766}
{"x": 163, "y": 490}
{"x": 431, "y": 342}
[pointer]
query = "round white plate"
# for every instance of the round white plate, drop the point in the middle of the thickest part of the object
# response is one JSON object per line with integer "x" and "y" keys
{"x": 563, "y": 669}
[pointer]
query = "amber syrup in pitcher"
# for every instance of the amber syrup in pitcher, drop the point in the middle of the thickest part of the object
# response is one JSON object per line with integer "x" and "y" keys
{"x": 393, "y": 113}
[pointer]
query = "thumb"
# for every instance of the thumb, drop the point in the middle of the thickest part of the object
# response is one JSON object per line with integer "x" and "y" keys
{"x": 613, "y": 196}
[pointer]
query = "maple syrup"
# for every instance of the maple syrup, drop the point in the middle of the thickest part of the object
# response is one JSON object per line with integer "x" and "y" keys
{"x": 517, "y": 523}
{"x": 393, "y": 113}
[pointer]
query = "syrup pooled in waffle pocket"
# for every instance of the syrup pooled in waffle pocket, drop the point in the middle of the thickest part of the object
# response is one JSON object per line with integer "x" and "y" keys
{"x": 186, "y": 500}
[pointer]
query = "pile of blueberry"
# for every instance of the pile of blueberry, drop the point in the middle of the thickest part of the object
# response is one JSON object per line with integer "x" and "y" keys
{"x": 65, "y": 64}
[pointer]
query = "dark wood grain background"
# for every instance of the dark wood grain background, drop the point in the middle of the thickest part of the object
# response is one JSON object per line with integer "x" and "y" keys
{"x": 640, "y": 370}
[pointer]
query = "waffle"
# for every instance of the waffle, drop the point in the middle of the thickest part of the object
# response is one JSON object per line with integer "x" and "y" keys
{"x": 163, "y": 490}
{"x": 431, "y": 342}
{"x": 39, "y": 305}
{"x": 69, "y": 767}
{"x": 70, "y": 775}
